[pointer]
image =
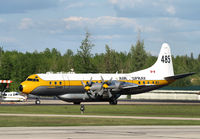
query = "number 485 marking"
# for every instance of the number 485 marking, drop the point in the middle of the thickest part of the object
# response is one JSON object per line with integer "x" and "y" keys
{"x": 165, "y": 59}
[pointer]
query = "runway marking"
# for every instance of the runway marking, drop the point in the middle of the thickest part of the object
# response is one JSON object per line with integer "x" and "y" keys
{"x": 100, "y": 116}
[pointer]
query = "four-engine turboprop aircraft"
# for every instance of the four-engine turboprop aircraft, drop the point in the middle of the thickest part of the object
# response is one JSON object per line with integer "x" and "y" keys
{"x": 79, "y": 88}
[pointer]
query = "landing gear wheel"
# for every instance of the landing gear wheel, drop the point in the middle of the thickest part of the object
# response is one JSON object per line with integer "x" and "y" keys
{"x": 37, "y": 101}
{"x": 77, "y": 103}
{"x": 113, "y": 102}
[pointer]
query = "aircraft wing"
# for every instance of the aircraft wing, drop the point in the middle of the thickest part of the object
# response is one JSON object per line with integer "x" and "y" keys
{"x": 179, "y": 76}
{"x": 130, "y": 86}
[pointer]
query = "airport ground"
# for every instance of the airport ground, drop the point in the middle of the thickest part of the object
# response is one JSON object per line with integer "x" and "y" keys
{"x": 99, "y": 132}
{"x": 66, "y": 114}
{"x": 120, "y": 102}
{"x": 129, "y": 119}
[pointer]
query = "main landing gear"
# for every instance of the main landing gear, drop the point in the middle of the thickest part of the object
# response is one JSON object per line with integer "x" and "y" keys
{"x": 113, "y": 102}
{"x": 77, "y": 103}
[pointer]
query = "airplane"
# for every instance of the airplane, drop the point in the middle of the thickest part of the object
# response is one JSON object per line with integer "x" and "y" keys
{"x": 77, "y": 88}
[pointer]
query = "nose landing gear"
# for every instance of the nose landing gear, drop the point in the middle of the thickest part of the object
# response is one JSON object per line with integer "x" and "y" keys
{"x": 37, "y": 101}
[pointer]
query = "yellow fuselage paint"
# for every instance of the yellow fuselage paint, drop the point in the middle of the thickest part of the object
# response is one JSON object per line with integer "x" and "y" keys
{"x": 29, "y": 86}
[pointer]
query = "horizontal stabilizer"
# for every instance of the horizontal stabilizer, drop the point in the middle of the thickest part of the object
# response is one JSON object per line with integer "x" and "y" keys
{"x": 179, "y": 76}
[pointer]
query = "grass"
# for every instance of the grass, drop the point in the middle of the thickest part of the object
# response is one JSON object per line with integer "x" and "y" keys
{"x": 124, "y": 110}
{"x": 55, "y": 121}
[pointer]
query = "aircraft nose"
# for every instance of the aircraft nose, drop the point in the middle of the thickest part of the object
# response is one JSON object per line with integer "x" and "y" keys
{"x": 21, "y": 88}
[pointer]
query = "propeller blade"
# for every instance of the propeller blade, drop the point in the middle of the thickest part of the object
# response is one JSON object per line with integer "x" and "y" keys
{"x": 90, "y": 82}
{"x": 83, "y": 83}
{"x": 100, "y": 93}
{"x": 109, "y": 93}
{"x": 85, "y": 95}
{"x": 102, "y": 80}
{"x": 117, "y": 84}
{"x": 93, "y": 93}
{"x": 109, "y": 81}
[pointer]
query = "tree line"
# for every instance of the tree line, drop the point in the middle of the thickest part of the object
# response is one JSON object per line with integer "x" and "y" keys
{"x": 17, "y": 66}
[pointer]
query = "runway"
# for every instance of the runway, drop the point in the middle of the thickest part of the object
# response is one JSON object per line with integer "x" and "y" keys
{"x": 120, "y": 102}
{"x": 99, "y": 132}
{"x": 101, "y": 116}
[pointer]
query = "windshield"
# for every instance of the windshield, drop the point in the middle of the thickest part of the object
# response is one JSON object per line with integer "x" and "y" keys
{"x": 34, "y": 80}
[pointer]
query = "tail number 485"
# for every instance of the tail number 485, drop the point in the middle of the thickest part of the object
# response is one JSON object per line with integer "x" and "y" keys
{"x": 165, "y": 59}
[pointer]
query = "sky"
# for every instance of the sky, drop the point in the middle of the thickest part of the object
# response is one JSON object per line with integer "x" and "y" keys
{"x": 29, "y": 25}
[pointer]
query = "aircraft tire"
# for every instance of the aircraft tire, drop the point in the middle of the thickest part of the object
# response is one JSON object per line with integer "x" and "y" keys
{"x": 113, "y": 102}
{"x": 37, "y": 101}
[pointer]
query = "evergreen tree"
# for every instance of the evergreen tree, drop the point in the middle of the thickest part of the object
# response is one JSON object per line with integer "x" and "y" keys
{"x": 84, "y": 56}
{"x": 138, "y": 56}
{"x": 17, "y": 66}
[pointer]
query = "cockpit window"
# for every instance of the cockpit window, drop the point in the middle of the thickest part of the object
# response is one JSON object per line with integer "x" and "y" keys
{"x": 34, "y": 80}
{"x": 29, "y": 79}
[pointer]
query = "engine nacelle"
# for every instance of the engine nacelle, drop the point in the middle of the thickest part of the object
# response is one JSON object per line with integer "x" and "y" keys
{"x": 81, "y": 98}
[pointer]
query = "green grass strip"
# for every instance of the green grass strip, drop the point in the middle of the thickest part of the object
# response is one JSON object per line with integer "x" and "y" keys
{"x": 118, "y": 110}
{"x": 13, "y": 121}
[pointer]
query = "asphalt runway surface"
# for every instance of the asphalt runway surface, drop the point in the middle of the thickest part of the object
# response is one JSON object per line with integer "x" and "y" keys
{"x": 120, "y": 102}
{"x": 99, "y": 132}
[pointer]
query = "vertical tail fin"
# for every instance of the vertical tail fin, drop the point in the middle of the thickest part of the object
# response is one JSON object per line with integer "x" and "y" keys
{"x": 164, "y": 65}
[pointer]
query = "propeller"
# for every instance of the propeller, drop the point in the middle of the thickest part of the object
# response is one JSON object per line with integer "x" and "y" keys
{"x": 86, "y": 92}
{"x": 109, "y": 93}
{"x": 105, "y": 85}
{"x": 109, "y": 81}
{"x": 93, "y": 89}
{"x": 90, "y": 82}
{"x": 88, "y": 88}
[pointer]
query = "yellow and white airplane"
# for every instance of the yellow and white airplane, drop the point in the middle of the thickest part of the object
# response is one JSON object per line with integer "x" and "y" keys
{"x": 79, "y": 88}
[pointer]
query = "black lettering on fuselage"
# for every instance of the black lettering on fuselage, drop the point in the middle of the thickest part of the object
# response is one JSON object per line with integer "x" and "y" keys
{"x": 138, "y": 78}
{"x": 122, "y": 78}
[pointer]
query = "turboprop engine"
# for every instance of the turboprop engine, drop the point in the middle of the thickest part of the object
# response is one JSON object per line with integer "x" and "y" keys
{"x": 95, "y": 89}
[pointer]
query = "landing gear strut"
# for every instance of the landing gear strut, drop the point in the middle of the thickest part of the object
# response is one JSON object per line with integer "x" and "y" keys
{"x": 77, "y": 103}
{"x": 37, "y": 101}
{"x": 113, "y": 102}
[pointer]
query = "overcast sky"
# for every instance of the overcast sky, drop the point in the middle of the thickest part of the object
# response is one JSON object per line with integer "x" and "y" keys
{"x": 28, "y": 25}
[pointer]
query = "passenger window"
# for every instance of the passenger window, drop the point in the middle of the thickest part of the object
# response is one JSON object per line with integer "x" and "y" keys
{"x": 55, "y": 83}
{"x": 50, "y": 83}
{"x": 153, "y": 82}
{"x": 156, "y": 82}
{"x": 139, "y": 82}
{"x": 143, "y": 82}
{"x": 60, "y": 83}
{"x": 148, "y": 82}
